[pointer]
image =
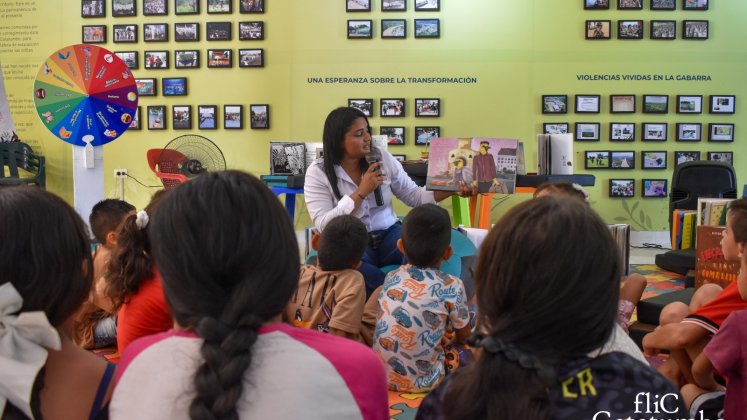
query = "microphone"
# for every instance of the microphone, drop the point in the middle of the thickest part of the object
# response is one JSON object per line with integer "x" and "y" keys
{"x": 372, "y": 157}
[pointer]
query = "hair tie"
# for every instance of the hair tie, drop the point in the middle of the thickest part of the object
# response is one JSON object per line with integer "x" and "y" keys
{"x": 24, "y": 339}
{"x": 141, "y": 221}
{"x": 512, "y": 353}
{"x": 581, "y": 189}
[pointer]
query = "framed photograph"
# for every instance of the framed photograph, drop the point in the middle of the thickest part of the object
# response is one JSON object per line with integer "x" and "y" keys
{"x": 394, "y": 28}
{"x": 124, "y": 33}
{"x": 252, "y": 57}
{"x": 251, "y": 6}
{"x": 207, "y": 115}
{"x": 395, "y": 136}
{"x": 629, "y": 29}
{"x": 695, "y": 29}
{"x": 400, "y": 158}
{"x": 393, "y": 5}
{"x": 287, "y": 158}
{"x": 122, "y": 8}
{"x": 597, "y": 159}
{"x": 555, "y": 128}
{"x": 363, "y": 105}
{"x": 185, "y": 32}
{"x": 220, "y": 58}
{"x": 147, "y": 87}
{"x": 654, "y": 132}
{"x": 358, "y": 5}
{"x": 663, "y": 4}
{"x": 129, "y": 57}
{"x": 689, "y": 104}
{"x": 156, "y": 117}
{"x": 598, "y": 29}
{"x": 587, "y": 104}
{"x": 622, "y": 131}
{"x": 219, "y": 6}
{"x": 156, "y": 60}
{"x": 694, "y": 4}
{"x": 723, "y": 104}
{"x": 587, "y": 131}
{"x": 155, "y": 7}
{"x": 664, "y": 29}
{"x": 251, "y": 31}
{"x": 689, "y": 156}
{"x": 155, "y": 32}
{"x": 218, "y": 31}
{"x": 260, "y": 116}
{"x": 554, "y": 104}
{"x": 596, "y": 4}
{"x": 654, "y": 188}
{"x": 655, "y": 104}
{"x": 689, "y": 132}
{"x": 181, "y": 117}
{"x": 94, "y": 34}
{"x": 427, "y": 28}
{"x": 721, "y": 132}
{"x": 427, "y": 5}
{"x": 654, "y": 159}
{"x": 427, "y": 107}
{"x": 94, "y": 8}
{"x": 233, "y": 117}
{"x": 726, "y": 157}
{"x": 622, "y": 104}
{"x": 629, "y": 4}
{"x": 360, "y": 29}
{"x": 174, "y": 86}
{"x": 186, "y": 59}
{"x": 187, "y": 7}
{"x": 423, "y": 135}
{"x": 392, "y": 107}
{"x": 622, "y": 159}
{"x": 622, "y": 188}
{"x": 135, "y": 123}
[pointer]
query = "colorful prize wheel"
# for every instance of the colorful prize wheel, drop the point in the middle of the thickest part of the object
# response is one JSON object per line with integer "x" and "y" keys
{"x": 84, "y": 93}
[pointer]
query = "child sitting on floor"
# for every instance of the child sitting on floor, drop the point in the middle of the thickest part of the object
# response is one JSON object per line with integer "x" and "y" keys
{"x": 417, "y": 304}
{"x": 331, "y": 295}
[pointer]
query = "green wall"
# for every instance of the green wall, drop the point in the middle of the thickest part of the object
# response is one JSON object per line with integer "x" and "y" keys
{"x": 517, "y": 51}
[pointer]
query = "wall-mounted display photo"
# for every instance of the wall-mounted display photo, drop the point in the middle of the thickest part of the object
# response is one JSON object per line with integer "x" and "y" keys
{"x": 427, "y": 5}
{"x": 723, "y": 104}
{"x": 219, "y": 6}
{"x": 93, "y": 8}
{"x": 654, "y": 188}
{"x": 695, "y": 29}
{"x": 629, "y": 4}
{"x": 394, "y": 28}
{"x": 654, "y": 159}
{"x": 187, "y": 7}
{"x": 358, "y": 5}
{"x": 147, "y": 87}
{"x": 94, "y": 34}
{"x": 427, "y": 28}
{"x": 218, "y": 31}
{"x": 587, "y": 131}
{"x": 156, "y": 32}
{"x": 622, "y": 160}
{"x": 622, "y": 131}
{"x": 121, "y": 8}
{"x": 694, "y": 4}
{"x": 688, "y": 156}
{"x": 721, "y": 132}
{"x": 186, "y": 59}
{"x": 654, "y": 132}
{"x": 252, "y": 57}
{"x": 251, "y": 6}
{"x": 363, "y": 105}
{"x": 598, "y": 29}
{"x": 184, "y": 32}
{"x": 597, "y": 159}
{"x": 233, "y": 117}
{"x": 663, "y": 4}
{"x": 587, "y": 104}
{"x": 207, "y": 115}
{"x": 181, "y": 117}
{"x": 655, "y": 104}
{"x": 251, "y": 31}
{"x": 555, "y": 128}
{"x": 125, "y": 33}
{"x": 400, "y": 158}
{"x": 726, "y": 157}
{"x": 395, "y": 136}
{"x": 392, "y": 107}
{"x": 129, "y": 58}
{"x": 622, "y": 104}
{"x": 629, "y": 29}
{"x": 427, "y": 107}
{"x": 174, "y": 86}
{"x": 622, "y": 188}
{"x": 689, "y": 104}
{"x": 423, "y": 135}
{"x": 259, "y": 116}
{"x": 155, "y": 7}
{"x": 664, "y": 29}
{"x": 596, "y": 4}
{"x": 156, "y": 60}
{"x": 157, "y": 117}
{"x": 220, "y": 58}
{"x": 554, "y": 104}
{"x": 689, "y": 132}
{"x": 360, "y": 29}
{"x": 393, "y": 5}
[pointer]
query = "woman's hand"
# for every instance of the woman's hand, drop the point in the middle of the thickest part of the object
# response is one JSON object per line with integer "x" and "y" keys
{"x": 371, "y": 179}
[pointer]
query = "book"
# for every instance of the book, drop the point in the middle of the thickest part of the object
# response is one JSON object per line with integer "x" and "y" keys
{"x": 287, "y": 158}
{"x": 555, "y": 154}
{"x": 688, "y": 231}
{"x": 711, "y": 211}
{"x": 710, "y": 265}
{"x": 621, "y": 235}
{"x": 490, "y": 162}
{"x": 314, "y": 151}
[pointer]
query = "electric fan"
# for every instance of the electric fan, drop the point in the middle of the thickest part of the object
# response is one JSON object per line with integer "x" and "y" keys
{"x": 185, "y": 157}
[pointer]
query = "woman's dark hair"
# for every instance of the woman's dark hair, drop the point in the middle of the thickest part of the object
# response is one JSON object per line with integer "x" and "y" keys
{"x": 547, "y": 282}
{"x": 228, "y": 256}
{"x": 737, "y": 211}
{"x": 337, "y": 124}
{"x": 46, "y": 256}
{"x": 131, "y": 263}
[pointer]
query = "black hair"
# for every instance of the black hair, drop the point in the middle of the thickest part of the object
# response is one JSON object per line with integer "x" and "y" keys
{"x": 130, "y": 263}
{"x": 536, "y": 276}
{"x": 342, "y": 243}
{"x": 228, "y": 257}
{"x": 737, "y": 211}
{"x": 338, "y": 123}
{"x": 562, "y": 187}
{"x": 426, "y": 233}
{"x": 107, "y": 215}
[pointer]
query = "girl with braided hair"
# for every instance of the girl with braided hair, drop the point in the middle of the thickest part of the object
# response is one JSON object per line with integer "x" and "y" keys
{"x": 547, "y": 288}
{"x": 228, "y": 257}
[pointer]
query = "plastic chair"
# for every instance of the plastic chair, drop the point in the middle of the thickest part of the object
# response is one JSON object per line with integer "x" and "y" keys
{"x": 166, "y": 164}
{"x": 18, "y": 155}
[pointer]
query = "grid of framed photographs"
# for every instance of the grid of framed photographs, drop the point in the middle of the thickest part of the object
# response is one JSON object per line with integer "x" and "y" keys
{"x": 391, "y": 28}
{"x": 601, "y": 29}
{"x": 190, "y": 32}
{"x": 207, "y": 117}
{"x": 397, "y": 108}
{"x": 653, "y": 4}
